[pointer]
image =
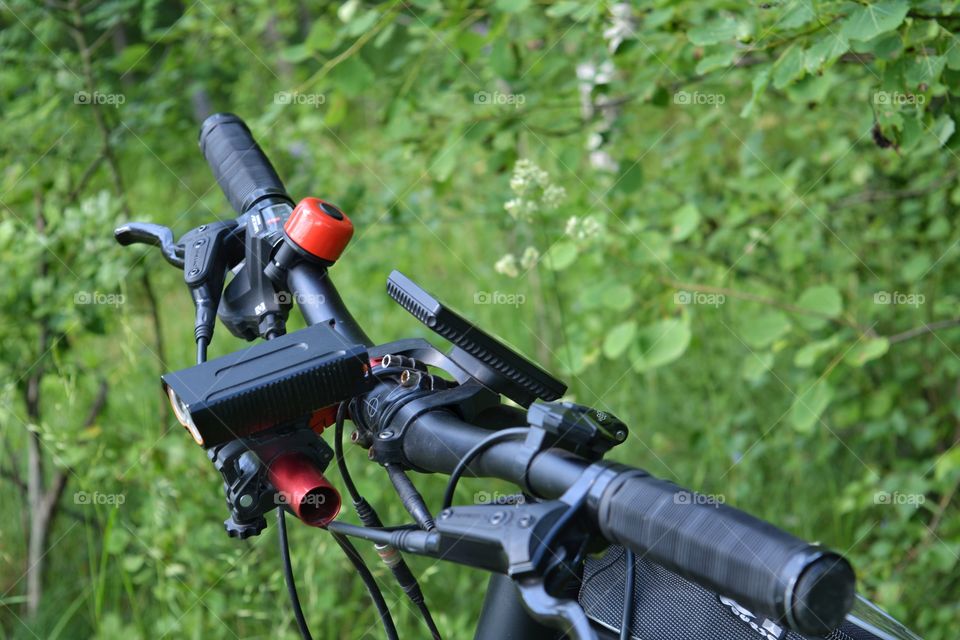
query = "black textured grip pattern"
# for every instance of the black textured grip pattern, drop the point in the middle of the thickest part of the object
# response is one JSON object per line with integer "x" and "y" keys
{"x": 721, "y": 548}
{"x": 239, "y": 165}
{"x": 470, "y": 338}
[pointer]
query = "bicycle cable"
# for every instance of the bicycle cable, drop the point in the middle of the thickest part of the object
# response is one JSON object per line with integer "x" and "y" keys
{"x": 372, "y": 588}
{"x": 288, "y": 576}
{"x": 368, "y": 515}
{"x": 494, "y": 438}
{"x": 626, "y": 619}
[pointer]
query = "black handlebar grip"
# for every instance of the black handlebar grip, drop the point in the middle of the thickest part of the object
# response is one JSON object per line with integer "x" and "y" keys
{"x": 805, "y": 587}
{"x": 238, "y": 163}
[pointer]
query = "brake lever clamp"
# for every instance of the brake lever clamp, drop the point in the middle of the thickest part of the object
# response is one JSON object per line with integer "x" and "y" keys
{"x": 539, "y": 545}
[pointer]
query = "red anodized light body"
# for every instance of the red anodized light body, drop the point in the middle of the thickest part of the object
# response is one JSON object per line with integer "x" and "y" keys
{"x": 304, "y": 489}
{"x": 319, "y": 228}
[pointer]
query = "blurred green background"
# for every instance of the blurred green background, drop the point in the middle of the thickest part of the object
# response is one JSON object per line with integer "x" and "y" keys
{"x": 732, "y": 224}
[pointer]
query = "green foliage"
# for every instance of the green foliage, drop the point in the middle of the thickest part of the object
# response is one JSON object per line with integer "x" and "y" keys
{"x": 728, "y": 223}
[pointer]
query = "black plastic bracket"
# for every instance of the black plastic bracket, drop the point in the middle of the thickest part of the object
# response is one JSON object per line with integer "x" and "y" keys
{"x": 243, "y": 463}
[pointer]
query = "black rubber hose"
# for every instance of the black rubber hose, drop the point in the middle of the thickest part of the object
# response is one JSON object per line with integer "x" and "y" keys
{"x": 288, "y": 576}
{"x": 626, "y": 617}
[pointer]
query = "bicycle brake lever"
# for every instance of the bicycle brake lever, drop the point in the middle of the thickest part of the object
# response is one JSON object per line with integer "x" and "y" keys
{"x": 204, "y": 268}
{"x": 567, "y": 614}
{"x": 152, "y": 234}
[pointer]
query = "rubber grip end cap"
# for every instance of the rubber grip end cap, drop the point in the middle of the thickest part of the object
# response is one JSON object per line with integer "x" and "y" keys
{"x": 823, "y": 595}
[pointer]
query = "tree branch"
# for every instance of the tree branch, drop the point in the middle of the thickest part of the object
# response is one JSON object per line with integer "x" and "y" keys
{"x": 921, "y": 330}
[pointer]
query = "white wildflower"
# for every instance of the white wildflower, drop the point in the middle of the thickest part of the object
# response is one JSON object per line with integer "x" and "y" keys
{"x": 529, "y": 258}
{"x": 507, "y": 265}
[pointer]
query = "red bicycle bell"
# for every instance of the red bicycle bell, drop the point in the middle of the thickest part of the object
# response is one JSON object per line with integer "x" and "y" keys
{"x": 319, "y": 229}
{"x": 316, "y": 231}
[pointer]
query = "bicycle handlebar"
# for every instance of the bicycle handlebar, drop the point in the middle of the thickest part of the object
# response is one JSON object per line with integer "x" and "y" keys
{"x": 728, "y": 551}
{"x": 720, "y": 547}
{"x": 239, "y": 165}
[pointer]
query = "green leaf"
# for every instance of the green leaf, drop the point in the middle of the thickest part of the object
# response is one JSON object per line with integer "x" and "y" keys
{"x": 953, "y": 54}
{"x": 322, "y": 36}
{"x": 756, "y": 365}
{"x": 560, "y": 9}
{"x": 353, "y": 76}
{"x": 762, "y": 329}
{"x": 789, "y": 67}
{"x": 362, "y": 24}
{"x": 915, "y": 267}
{"x": 823, "y": 299}
{"x": 684, "y": 221}
{"x": 659, "y": 343}
{"x": 807, "y": 355}
{"x": 797, "y": 14}
{"x": 810, "y": 405}
{"x": 759, "y": 85}
{"x": 560, "y": 256}
{"x": 943, "y": 128}
{"x": 924, "y": 70}
{"x": 868, "y": 21}
{"x": 717, "y": 30}
{"x": 652, "y": 248}
{"x": 824, "y": 51}
{"x": 867, "y": 350}
{"x": 720, "y": 60}
{"x": 948, "y": 464}
{"x": 618, "y": 297}
{"x": 619, "y": 338}
{"x": 296, "y": 53}
{"x": 888, "y": 46}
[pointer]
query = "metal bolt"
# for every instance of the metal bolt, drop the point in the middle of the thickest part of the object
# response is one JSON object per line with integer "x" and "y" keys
{"x": 194, "y": 271}
{"x": 200, "y": 243}
{"x": 497, "y": 518}
{"x": 245, "y": 500}
{"x": 203, "y": 227}
{"x": 621, "y": 435}
{"x": 446, "y": 513}
{"x": 385, "y": 435}
{"x": 525, "y": 521}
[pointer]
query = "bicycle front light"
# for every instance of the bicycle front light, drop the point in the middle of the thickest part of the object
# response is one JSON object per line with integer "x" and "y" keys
{"x": 182, "y": 411}
{"x": 268, "y": 384}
